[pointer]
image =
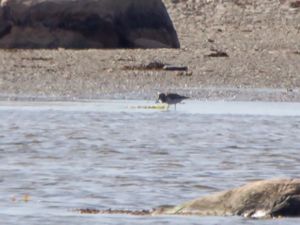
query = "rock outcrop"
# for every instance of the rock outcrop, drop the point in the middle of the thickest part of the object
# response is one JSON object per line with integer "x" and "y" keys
{"x": 261, "y": 199}
{"x": 269, "y": 198}
{"x": 86, "y": 24}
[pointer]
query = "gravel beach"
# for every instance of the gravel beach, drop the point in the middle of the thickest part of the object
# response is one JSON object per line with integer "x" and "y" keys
{"x": 234, "y": 50}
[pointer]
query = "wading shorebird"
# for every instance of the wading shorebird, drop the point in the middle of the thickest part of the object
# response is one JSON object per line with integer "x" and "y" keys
{"x": 170, "y": 98}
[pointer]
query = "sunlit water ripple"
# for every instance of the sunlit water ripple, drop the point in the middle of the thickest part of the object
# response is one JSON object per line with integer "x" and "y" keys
{"x": 64, "y": 159}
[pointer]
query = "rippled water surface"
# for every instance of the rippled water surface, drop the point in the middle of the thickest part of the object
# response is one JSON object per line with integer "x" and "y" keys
{"x": 56, "y": 157}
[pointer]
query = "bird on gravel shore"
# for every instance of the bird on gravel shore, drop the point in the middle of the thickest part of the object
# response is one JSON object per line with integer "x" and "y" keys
{"x": 170, "y": 98}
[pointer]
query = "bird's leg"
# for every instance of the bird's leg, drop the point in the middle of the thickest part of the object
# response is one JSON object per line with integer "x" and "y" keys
{"x": 175, "y": 106}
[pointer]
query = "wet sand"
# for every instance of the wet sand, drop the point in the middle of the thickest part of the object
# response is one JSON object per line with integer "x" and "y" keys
{"x": 259, "y": 42}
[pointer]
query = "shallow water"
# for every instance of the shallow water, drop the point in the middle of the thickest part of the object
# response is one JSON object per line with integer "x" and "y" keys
{"x": 59, "y": 156}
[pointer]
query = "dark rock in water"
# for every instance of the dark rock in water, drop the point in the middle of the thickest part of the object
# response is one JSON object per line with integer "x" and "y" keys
{"x": 86, "y": 24}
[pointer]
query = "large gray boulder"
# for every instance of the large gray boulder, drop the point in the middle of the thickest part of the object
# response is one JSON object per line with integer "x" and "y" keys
{"x": 268, "y": 198}
{"x": 261, "y": 199}
{"x": 86, "y": 24}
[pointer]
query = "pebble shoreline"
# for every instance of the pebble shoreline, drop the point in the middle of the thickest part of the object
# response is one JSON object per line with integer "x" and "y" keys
{"x": 259, "y": 39}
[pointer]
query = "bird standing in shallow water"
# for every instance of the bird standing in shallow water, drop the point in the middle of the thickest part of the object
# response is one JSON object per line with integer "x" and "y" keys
{"x": 170, "y": 98}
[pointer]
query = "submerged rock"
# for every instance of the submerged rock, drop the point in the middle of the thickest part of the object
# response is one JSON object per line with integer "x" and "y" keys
{"x": 86, "y": 24}
{"x": 269, "y": 198}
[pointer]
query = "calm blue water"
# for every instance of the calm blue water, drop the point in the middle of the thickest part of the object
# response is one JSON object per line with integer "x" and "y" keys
{"x": 56, "y": 157}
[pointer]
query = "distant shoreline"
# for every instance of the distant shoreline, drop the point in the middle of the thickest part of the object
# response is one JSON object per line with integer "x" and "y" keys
{"x": 233, "y": 53}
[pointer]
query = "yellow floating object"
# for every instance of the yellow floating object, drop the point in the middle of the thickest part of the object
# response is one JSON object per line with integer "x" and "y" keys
{"x": 26, "y": 198}
{"x": 158, "y": 106}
